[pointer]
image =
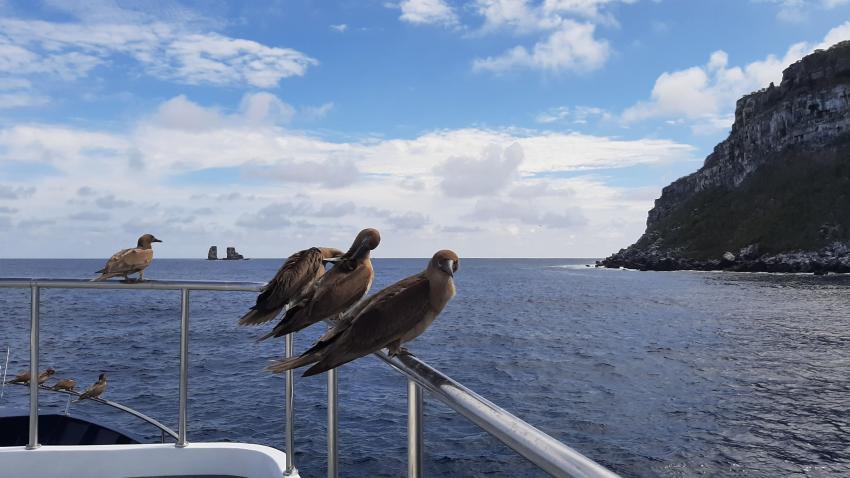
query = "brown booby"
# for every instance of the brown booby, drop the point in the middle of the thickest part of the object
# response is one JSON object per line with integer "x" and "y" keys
{"x": 24, "y": 377}
{"x": 95, "y": 390}
{"x": 345, "y": 284}
{"x": 66, "y": 384}
{"x": 130, "y": 261}
{"x": 393, "y": 316}
{"x": 291, "y": 283}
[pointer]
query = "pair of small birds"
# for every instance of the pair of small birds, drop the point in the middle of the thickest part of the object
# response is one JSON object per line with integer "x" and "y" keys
{"x": 66, "y": 384}
{"x": 307, "y": 294}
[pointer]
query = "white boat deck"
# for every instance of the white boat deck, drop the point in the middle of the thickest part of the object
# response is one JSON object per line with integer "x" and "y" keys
{"x": 219, "y": 460}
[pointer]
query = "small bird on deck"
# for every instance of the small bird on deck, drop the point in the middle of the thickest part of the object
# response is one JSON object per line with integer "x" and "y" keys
{"x": 393, "y": 316}
{"x": 24, "y": 377}
{"x": 345, "y": 284}
{"x": 66, "y": 384}
{"x": 291, "y": 283}
{"x": 130, "y": 261}
{"x": 95, "y": 390}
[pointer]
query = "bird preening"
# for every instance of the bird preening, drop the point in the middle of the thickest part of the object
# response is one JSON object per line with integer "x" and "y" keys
{"x": 130, "y": 261}
{"x": 392, "y": 317}
{"x": 326, "y": 296}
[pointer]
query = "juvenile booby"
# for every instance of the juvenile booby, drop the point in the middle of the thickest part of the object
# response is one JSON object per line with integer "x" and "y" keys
{"x": 66, "y": 384}
{"x": 95, "y": 390}
{"x": 130, "y": 261}
{"x": 24, "y": 377}
{"x": 393, "y": 316}
{"x": 291, "y": 283}
{"x": 345, "y": 284}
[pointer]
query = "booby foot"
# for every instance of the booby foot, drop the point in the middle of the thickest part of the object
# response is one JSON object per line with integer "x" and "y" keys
{"x": 399, "y": 352}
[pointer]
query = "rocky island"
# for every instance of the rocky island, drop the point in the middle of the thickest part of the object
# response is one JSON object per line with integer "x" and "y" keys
{"x": 775, "y": 195}
{"x": 232, "y": 255}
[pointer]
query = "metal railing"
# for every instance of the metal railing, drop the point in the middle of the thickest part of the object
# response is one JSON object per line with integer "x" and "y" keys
{"x": 542, "y": 450}
{"x": 164, "y": 430}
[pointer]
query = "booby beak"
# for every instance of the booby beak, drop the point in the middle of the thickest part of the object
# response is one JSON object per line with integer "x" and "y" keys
{"x": 332, "y": 260}
{"x": 155, "y": 240}
{"x": 447, "y": 266}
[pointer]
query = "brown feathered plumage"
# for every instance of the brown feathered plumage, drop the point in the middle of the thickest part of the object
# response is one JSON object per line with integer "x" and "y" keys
{"x": 345, "y": 284}
{"x": 66, "y": 384}
{"x": 291, "y": 283}
{"x": 95, "y": 390}
{"x": 130, "y": 261}
{"x": 24, "y": 377}
{"x": 393, "y": 316}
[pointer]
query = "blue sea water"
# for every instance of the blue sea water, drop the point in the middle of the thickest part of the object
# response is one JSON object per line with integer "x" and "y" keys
{"x": 673, "y": 374}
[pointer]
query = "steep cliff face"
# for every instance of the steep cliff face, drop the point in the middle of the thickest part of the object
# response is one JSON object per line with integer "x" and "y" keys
{"x": 780, "y": 181}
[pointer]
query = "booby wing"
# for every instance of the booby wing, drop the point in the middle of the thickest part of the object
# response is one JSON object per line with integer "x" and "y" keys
{"x": 93, "y": 391}
{"x": 126, "y": 261}
{"x": 295, "y": 276}
{"x": 337, "y": 290}
{"x": 368, "y": 327}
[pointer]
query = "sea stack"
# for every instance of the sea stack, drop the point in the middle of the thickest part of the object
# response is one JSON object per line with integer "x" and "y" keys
{"x": 212, "y": 255}
{"x": 775, "y": 195}
{"x": 232, "y": 255}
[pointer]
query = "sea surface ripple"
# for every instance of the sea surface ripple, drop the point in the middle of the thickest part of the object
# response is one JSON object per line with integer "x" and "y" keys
{"x": 672, "y": 374}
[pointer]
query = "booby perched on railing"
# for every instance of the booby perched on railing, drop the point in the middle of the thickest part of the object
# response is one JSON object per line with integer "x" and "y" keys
{"x": 66, "y": 384}
{"x": 95, "y": 390}
{"x": 130, "y": 261}
{"x": 393, "y": 316}
{"x": 24, "y": 377}
{"x": 293, "y": 281}
{"x": 345, "y": 284}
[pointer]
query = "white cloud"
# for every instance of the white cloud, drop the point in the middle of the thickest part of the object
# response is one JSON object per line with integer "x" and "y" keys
{"x": 336, "y": 188}
{"x": 797, "y": 11}
{"x": 573, "y": 47}
{"x": 317, "y": 112}
{"x": 575, "y": 115}
{"x": 70, "y": 50}
{"x": 705, "y": 95}
{"x": 435, "y": 12}
{"x": 341, "y": 28}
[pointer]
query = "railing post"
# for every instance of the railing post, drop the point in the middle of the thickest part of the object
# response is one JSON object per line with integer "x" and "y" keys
{"x": 414, "y": 430}
{"x": 332, "y": 424}
{"x": 34, "y": 316}
{"x": 184, "y": 367}
{"x": 290, "y": 411}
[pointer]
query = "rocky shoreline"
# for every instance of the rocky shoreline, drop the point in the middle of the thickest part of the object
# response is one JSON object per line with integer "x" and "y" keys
{"x": 834, "y": 258}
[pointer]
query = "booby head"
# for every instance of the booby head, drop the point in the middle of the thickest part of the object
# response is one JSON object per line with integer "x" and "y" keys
{"x": 146, "y": 240}
{"x": 445, "y": 261}
{"x": 366, "y": 240}
{"x": 49, "y": 372}
{"x": 101, "y": 377}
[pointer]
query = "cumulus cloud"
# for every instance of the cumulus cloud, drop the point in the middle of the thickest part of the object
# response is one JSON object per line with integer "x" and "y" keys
{"x": 463, "y": 176}
{"x": 171, "y": 51}
{"x": 15, "y": 192}
{"x": 436, "y": 12}
{"x": 572, "y": 47}
{"x": 322, "y": 191}
{"x": 705, "y": 95}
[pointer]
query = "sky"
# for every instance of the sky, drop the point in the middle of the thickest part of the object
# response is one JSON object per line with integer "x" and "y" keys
{"x": 496, "y": 128}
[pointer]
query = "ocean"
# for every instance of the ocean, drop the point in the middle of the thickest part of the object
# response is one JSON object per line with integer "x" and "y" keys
{"x": 671, "y": 374}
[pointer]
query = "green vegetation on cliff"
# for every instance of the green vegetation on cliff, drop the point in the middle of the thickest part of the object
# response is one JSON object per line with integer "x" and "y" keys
{"x": 800, "y": 202}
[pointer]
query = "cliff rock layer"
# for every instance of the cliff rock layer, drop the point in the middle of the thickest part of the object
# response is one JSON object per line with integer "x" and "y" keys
{"x": 773, "y": 196}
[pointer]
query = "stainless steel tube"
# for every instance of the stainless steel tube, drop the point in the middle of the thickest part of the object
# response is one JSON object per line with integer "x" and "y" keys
{"x": 541, "y": 449}
{"x": 414, "y": 430}
{"x": 333, "y": 425}
{"x": 34, "y": 316}
{"x": 184, "y": 367}
{"x": 290, "y": 409}
{"x": 21, "y": 283}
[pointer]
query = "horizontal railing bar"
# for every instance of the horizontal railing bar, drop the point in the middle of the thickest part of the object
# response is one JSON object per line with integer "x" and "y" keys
{"x": 116, "y": 405}
{"x": 541, "y": 449}
{"x": 20, "y": 283}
